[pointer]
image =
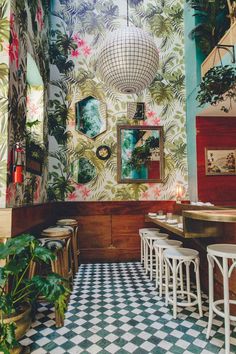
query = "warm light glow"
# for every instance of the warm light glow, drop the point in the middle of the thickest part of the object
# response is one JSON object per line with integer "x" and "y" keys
{"x": 179, "y": 192}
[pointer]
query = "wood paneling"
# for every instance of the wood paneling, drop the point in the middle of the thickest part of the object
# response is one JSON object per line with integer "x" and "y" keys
{"x": 94, "y": 231}
{"x": 215, "y": 132}
{"x": 125, "y": 231}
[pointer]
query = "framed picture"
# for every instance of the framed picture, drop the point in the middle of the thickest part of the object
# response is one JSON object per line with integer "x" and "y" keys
{"x": 140, "y": 157}
{"x": 34, "y": 166}
{"x": 220, "y": 161}
{"x": 136, "y": 110}
{"x": 103, "y": 152}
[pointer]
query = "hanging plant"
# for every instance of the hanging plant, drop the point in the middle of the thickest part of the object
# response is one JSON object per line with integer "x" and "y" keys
{"x": 217, "y": 86}
{"x": 142, "y": 154}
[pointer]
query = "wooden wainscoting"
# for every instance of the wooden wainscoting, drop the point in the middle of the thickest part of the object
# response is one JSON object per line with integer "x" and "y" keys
{"x": 108, "y": 231}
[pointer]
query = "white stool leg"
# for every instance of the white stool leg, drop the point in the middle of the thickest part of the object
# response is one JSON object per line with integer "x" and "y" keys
{"x": 160, "y": 271}
{"x": 141, "y": 250}
{"x": 151, "y": 259}
{"x": 187, "y": 264}
{"x": 211, "y": 293}
{"x": 181, "y": 278}
{"x": 167, "y": 276}
{"x": 157, "y": 267}
{"x": 174, "y": 289}
{"x": 199, "y": 298}
{"x": 226, "y": 305}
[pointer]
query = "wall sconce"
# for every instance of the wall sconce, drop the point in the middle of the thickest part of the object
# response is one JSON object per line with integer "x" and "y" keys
{"x": 18, "y": 163}
{"x": 179, "y": 192}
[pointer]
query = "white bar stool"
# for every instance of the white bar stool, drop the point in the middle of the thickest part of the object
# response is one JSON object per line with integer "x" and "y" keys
{"x": 224, "y": 255}
{"x": 159, "y": 247}
{"x": 141, "y": 234}
{"x": 174, "y": 259}
{"x": 149, "y": 238}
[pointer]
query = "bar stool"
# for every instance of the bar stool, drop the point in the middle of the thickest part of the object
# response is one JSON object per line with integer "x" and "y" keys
{"x": 141, "y": 234}
{"x": 58, "y": 240}
{"x": 224, "y": 255}
{"x": 174, "y": 259}
{"x": 75, "y": 241}
{"x": 149, "y": 238}
{"x": 159, "y": 247}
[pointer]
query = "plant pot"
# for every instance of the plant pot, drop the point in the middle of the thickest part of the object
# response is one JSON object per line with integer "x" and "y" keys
{"x": 22, "y": 321}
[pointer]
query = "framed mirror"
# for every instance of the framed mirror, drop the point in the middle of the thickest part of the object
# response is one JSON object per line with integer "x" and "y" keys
{"x": 82, "y": 170}
{"x": 91, "y": 117}
{"x": 140, "y": 154}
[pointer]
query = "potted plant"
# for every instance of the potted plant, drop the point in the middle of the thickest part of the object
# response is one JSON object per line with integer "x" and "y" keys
{"x": 18, "y": 293}
{"x": 217, "y": 86}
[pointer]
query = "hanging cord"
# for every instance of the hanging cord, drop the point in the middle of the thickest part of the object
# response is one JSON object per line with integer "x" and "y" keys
{"x": 127, "y": 13}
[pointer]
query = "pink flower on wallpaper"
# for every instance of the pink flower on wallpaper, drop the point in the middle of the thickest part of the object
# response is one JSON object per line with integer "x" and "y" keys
{"x": 151, "y": 114}
{"x": 38, "y": 190}
{"x": 33, "y": 108}
{"x": 85, "y": 192}
{"x": 76, "y": 37}
{"x": 87, "y": 50}
{"x": 81, "y": 42}
{"x": 12, "y": 20}
{"x": 79, "y": 186}
{"x": 145, "y": 195}
{"x": 72, "y": 196}
{"x": 11, "y": 53}
{"x": 10, "y": 193}
{"x": 156, "y": 121}
{"x": 15, "y": 40}
{"x": 75, "y": 53}
{"x": 156, "y": 193}
{"x": 39, "y": 17}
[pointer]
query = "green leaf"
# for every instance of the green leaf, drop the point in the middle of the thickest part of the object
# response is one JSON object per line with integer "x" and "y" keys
{"x": 14, "y": 266}
{"x": 15, "y": 245}
{"x": 43, "y": 254}
{"x": 7, "y": 337}
{"x": 6, "y": 303}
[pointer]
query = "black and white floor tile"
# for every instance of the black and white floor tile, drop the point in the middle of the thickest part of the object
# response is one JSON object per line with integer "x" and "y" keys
{"x": 115, "y": 309}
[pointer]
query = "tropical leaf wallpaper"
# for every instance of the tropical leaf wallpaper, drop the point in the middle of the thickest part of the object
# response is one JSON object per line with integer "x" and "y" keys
{"x": 29, "y": 33}
{"x": 4, "y": 71}
{"x": 78, "y": 28}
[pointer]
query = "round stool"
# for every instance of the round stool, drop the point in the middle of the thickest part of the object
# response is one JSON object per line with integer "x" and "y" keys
{"x": 64, "y": 256}
{"x": 75, "y": 241}
{"x": 224, "y": 255}
{"x": 149, "y": 238}
{"x": 174, "y": 259}
{"x": 141, "y": 234}
{"x": 159, "y": 247}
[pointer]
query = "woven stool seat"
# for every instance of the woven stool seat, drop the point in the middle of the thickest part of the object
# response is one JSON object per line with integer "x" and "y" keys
{"x": 67, "y": 222}
{"x": 56, "y": 232}
{"x": 72, "y": 224}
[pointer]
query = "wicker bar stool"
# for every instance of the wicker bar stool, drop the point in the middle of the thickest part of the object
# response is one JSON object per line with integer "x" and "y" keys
{"x": 142, "y": 232}
{"x": 73, "y": 223}
{"x": 159, "y": 247}
{"x": 58, "y": 240}
{"x": 149, "y": 238}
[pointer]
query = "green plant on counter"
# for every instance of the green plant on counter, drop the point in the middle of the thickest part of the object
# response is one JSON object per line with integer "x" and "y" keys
{"x": 217, "y": 86}
{"x": 17, "y": 291}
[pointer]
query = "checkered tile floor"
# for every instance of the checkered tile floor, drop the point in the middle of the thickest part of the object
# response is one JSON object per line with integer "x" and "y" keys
{"x": 115, "y": 308}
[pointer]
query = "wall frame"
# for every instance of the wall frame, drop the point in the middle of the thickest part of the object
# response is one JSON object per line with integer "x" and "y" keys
{"x": 140, "y": 157}
{"x": 220, "y": 161}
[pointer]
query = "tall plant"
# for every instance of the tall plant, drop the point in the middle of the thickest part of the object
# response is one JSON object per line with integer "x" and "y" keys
{"x": 16, "y": 289}
{"x": 212, "y": 21}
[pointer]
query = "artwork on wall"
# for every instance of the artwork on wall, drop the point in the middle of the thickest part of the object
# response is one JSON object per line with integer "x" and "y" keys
{"x": 140, "y": 154}
{"x": 220, "y": 161}
{"x": 91, "y": 117}
{"x": 103, "y": 152}
{"x": 136, "y": 110}
{"x": 83, "y": 171}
